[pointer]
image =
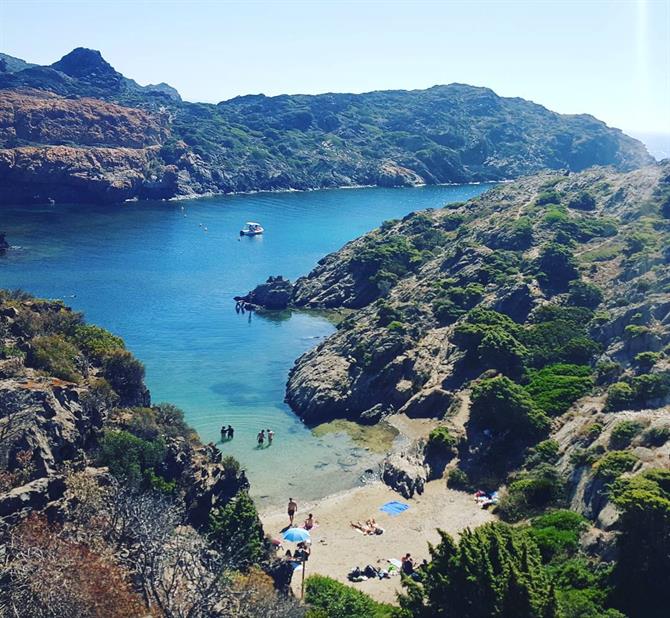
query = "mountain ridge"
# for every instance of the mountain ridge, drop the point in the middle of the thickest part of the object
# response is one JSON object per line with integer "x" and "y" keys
{"x": 444, "y": 134}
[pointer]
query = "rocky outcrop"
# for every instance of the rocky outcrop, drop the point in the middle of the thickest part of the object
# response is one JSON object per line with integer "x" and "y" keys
{"x": 65, "y": 173}
{"x": 37, "y": 117}
{"x": 404, "y": 474}
{"x": 32, "y": 497}
{"x": 274, "y": 294}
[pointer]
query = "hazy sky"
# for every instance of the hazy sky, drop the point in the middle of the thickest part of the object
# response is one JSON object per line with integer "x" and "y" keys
{"x": 607, "y": 58}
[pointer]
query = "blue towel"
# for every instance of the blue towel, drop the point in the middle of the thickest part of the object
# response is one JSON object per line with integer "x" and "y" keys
{"x": 394, "y": 507}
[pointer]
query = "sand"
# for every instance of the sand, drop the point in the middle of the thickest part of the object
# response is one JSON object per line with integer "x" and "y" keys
{"x": 337, "y": 548}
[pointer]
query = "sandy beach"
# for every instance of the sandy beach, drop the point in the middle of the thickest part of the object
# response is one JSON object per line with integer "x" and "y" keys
{"x": 337, "y": 547}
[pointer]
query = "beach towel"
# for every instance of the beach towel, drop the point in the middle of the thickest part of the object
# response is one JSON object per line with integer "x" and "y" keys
{"x": 394, "y": 507}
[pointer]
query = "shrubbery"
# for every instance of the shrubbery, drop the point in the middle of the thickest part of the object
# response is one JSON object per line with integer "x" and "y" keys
{"x": 556, "y": 387}
{"x": 557, "y": 534}
{"x": 131, "y": 459}
{"x": 503, "y": 406}
{"x": 125, "y": 375}
{"x": 333, "y": 599}
{"x": 582, "y": 201}
{"x": 583, "y": 294}
{"x": 440, "y": 441}
{"x": 623, "y": 433}
{"x": 613, "y": 464}
{"x": 556, "y": 267}
{"x": 531, "y": 491}
{"x": 96, "y": 342}
{"x": 56, "y": 356}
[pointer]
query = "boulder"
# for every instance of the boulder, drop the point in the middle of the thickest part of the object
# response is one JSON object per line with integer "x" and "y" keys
{"x": 33, "y": 496}
{"x": 404, "y": 474}
{"x": 431, "y": 403}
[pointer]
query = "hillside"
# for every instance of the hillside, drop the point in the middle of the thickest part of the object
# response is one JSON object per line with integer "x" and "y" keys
{"x": 534, "y": 321}
{"x": 109, "y": 505}
{"x": 453, "y": 133}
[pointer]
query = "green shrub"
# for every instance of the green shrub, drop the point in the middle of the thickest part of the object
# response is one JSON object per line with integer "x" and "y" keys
{"x": 531, "y": 491}
{"x": 620, "y": 396}
{"x": 556, "y": 267}
{"x": 458, "y": 479}
{"x": 557, "y": 534}
{"x": 593, "y": 431}
{"x": 125, "y": 374}
{"x": 440, "y": 440}
{"x": 452, "y": 302}
{"x": 338, "y": 600}
{"x": 397, "y": 327}
{"x": 143, "y": 424}
{"x": 501, "y": 405}
{"x": 56, "y": 356}
{"x": 556, "y": 387}
{"x": 170, "y": 419}
{"x": 386, "y": 314}
{"x": 582, "y": 201}
{"x": 547, "y": 197}
{"x": 543, "y": 452}
{"x": 613, "y": 464}
{"x": 129, "y": 458}
{"x": 642, "y": 573}
{"x": 96, "y": 342}
{"x": 656, "y": 436}
{"x": 515, "y": 236}
{"x": 623, "y": 433}
{"x": 583, "y": 294}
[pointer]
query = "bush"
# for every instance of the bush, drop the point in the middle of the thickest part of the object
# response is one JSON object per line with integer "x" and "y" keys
{"x": 547, "y": 197}
{"x": 56, "y": 356}
{"x": 532, "y": 491}
{"x": 388, "y": 314}
{"x": 557, "y": 534}
{"x": 458, "y": 479}
{"x": 338, "y": 600}
{"x": 96, "y": 342}
{"x": 125, "y": 374}
{"x": 556, "y": 387}
{"x": 623, "y": 433}
{"x": 501, "y": 405}
{"x": 646, "y": 360}
{"x": 583, "y": 294}
{"x": 143, "y": 424}
{"x": 557, "y": 267}
{"x": 613, "y": 464}
{"x": 619, "y": 396}
{"x": 656, "y": 436}
{"x": 440, "y": 441}
{"x": 543, "y": 452}
{"x": 583, "y": 201}
{"x": 397, "y": 327}
{"x": 129, "y": 458}
{"x": 170, "y": 419}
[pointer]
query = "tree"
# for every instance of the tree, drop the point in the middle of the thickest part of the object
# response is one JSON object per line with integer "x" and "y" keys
{"x": 494, "y": 570}
{"x": 584, "y": 294}
{"x": 125, "y": 374}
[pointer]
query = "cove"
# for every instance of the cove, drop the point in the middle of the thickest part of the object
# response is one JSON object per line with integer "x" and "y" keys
{"x": 162, "y": 275}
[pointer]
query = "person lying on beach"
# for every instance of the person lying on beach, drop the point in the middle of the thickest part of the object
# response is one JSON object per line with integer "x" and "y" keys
{"x": 369, "y": 527}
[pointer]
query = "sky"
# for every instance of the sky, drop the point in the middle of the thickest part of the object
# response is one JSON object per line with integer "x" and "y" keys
{"x": 607, "y": 58}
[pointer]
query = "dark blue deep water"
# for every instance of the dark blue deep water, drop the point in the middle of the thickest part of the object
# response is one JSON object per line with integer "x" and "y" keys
{"x": 149, "y": 272}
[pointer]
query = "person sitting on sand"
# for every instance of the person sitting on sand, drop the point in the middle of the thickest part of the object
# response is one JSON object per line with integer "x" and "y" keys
{"x": 309, "y": 522}
{"x": 407, "y": 567}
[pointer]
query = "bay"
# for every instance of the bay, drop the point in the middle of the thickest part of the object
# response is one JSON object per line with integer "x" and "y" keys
{"x": 162, "y": 275}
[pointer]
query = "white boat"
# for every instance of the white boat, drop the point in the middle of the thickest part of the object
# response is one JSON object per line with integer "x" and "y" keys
{"x": 251, "y": 229}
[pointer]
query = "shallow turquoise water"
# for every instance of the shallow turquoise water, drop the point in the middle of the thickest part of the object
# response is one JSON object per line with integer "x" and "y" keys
{"x": 150, "y": 273}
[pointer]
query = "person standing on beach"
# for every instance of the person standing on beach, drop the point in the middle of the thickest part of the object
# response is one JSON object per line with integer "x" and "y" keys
{"x": 271, "y": 434}
{"x": 261, "y": 437}
{"x": 292, "y": 508}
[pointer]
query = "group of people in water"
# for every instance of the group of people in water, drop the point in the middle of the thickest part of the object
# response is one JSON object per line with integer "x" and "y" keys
{"x": 228, "y": 433}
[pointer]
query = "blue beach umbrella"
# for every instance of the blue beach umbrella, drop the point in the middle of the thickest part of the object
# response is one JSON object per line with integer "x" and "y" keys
{"x": 296, "y": 535}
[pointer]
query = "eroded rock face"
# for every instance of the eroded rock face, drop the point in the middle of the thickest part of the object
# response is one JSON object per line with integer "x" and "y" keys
{"x": 39, "y": 117}
{"x": 31, "y": 497}
{"x": 274, "y": 294}
{"x": 45, "y": 417}
{"x": 404, "y": 474}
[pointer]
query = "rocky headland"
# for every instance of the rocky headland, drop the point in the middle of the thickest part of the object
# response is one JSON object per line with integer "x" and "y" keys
{"x": 78, "y": 130}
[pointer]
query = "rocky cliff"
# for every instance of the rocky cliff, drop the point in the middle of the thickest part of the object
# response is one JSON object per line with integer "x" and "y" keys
{"x": 454, "y": 133}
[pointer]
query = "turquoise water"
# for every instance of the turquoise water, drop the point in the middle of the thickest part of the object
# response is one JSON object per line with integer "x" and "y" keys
{"x": 151, "y": 273}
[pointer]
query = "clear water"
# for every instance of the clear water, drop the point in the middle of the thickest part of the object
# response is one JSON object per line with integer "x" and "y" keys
{"x": 150, "y": 273}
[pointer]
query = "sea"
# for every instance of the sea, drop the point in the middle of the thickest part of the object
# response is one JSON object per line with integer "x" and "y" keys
{"x": 163, "y": 275}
